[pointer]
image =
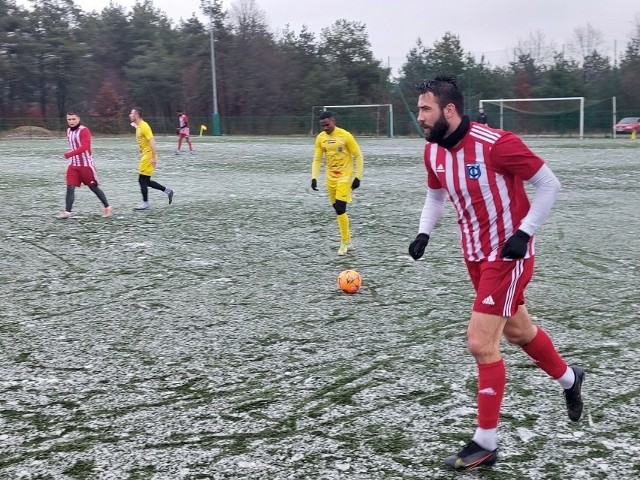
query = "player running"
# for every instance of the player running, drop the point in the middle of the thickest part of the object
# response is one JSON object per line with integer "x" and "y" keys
{"x": 148, "y": 159}
{"x": 183, "y": 131}
{"x": 339, "y": 148}
{"x": 482, "y": 170}
{"x": 81, "y": 168}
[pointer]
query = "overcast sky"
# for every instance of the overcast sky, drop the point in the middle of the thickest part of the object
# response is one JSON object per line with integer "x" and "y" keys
{"x": 489, "y": 27}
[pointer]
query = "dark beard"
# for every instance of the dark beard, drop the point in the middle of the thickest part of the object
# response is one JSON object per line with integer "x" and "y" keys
{"x": 439, "y": 130}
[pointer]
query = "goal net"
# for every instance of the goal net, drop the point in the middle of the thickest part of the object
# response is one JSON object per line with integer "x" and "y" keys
{"x": 374, "y": 120}
{"x": 561, "y": 117}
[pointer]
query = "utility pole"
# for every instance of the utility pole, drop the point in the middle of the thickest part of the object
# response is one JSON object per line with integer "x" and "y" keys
{"x": 215, "y": 118}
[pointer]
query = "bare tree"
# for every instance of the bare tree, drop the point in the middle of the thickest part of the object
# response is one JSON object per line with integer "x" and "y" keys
{"x": 636, "y": 27}
{"x": 537, "y": 48}
{"x": 586, "y": 40}
{"x": 247, "y": 17}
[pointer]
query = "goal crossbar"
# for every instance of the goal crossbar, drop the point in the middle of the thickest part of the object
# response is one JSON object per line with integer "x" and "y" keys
{"x": 354, "y": 106}
{"x": 368, "y": 105}
{"x": 501, "y": 101}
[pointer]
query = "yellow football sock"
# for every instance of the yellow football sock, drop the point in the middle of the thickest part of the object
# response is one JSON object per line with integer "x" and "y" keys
{"x": 343, "y": 224}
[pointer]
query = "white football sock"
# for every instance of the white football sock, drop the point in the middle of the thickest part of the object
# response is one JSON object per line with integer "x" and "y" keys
{"x": 487, "y": 438}
{"x": 568, "y": 379}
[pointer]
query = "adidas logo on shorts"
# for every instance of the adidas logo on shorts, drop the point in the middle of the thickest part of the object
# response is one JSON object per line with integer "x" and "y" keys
{"x": 488, "y": 301}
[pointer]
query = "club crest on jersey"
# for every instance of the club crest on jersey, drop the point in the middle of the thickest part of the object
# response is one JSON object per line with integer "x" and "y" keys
{"x": 473, "y": 171}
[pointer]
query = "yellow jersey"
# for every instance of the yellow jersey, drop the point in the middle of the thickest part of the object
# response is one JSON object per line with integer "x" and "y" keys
{"x": 339, "y": 148}
{"x": 144, "y": 136}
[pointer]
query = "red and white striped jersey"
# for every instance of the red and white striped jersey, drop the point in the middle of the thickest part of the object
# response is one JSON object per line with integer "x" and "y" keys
{"x": 80, "y": 143}
{"x": 484, "y": 177}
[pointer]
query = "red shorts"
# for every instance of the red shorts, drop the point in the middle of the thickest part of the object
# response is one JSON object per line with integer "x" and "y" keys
{"x": 77, "y": 175}
{"x": 500, "y": 285}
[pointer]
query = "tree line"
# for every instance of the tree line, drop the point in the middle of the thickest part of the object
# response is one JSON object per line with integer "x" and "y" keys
{"x": 54, "y": 56}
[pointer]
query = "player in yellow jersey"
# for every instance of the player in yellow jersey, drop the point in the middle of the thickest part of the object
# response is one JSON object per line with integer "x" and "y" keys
{"x": 148, "y": 158}
{"x": 340, "y": 150}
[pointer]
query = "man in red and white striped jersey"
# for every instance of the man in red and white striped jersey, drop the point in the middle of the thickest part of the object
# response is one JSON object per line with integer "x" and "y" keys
{"x": 482, "y": 170}
{"x": 183, "y": 131}
{"x": 81, "y": 169}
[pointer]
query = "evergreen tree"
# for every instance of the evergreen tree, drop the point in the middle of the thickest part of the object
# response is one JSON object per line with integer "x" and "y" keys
{"x": 53, "y": 56}
{"x": 346, "y": 49}
{"x": 630, "y": 73}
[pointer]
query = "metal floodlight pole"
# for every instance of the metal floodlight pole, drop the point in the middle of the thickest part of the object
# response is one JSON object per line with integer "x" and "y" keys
{"x": 215, "y": 119}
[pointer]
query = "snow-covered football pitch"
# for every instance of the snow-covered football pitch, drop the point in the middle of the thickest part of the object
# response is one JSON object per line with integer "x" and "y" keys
{"x": 207, "y": 339}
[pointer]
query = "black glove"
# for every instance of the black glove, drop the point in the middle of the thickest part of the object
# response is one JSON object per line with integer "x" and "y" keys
{"x": 516, "y": 245}
{"x": 178, "y": 130}
{"x": 355, "y": 184}
{"x": 314, "y": 184}
{"x": 416, "y": 249}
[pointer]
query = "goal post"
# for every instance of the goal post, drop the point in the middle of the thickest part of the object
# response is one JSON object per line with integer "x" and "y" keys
{"x": 538, "y": 115}
{"x": 374, "y": 119}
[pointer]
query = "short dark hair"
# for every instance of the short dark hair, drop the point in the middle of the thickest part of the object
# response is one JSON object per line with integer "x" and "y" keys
{"x": 73, "y": 111}
{"x": 445, "y": 88}
{"x": 179, "y": 111}
{"x": 327, "y": 114}
{"x": 139, "y": 110}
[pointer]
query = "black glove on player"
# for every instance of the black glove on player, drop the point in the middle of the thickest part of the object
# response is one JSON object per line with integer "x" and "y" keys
{"x": 416, "y": 249}
{"x": 516, "y": 246}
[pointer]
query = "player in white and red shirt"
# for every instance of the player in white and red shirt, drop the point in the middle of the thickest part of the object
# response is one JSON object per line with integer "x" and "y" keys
{"x": 81, "y": 169}
{"x": 183, "y": 131}
{"x": 482, "y": 170}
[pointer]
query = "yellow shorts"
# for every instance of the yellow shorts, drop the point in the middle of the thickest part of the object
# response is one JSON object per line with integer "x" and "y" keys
{"x": 145, "y": 167}
{"x": 339, "y": 189}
